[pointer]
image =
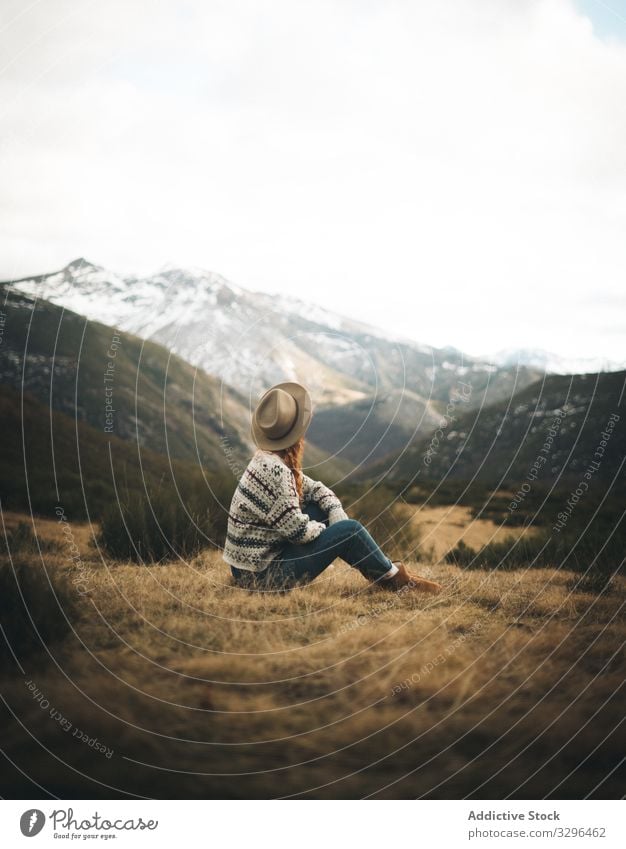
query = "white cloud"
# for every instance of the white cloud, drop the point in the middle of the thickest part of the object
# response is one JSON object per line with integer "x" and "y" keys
{"x": 454, "y": 171}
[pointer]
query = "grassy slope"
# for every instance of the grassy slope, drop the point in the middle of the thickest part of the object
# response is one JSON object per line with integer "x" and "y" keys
{"x": 507, "y": 684}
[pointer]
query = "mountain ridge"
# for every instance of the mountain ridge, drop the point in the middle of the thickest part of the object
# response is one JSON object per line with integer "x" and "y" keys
{"x": 252, "y": 340}
{"x": 553, "y": 363}
{"x": 88, "y": 289}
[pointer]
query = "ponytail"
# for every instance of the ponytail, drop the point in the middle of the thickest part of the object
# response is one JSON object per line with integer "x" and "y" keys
{"x": 292, "y": 458}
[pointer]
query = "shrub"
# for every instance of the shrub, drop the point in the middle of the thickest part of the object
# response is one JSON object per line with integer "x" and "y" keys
{"x": 22, "y": 540}
{"x": 594, "y": 582}
{"x": 462, "y": 555}
{"x": 33, "y": 608}
{"x": 166, "y": 524}
{"x": 574, "y": 550}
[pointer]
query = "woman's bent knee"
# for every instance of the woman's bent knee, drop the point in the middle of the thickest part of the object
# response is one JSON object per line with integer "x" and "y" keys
{"x": 350, "y": 526}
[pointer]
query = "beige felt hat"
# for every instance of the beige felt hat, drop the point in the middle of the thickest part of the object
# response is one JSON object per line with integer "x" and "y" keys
{"x": 282, "y": 416}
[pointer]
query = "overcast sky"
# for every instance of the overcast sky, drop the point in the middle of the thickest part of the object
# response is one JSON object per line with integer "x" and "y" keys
{"x": 451, "y": 171}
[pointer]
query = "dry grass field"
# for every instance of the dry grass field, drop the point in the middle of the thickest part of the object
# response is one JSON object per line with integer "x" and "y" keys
{"x": 175, "y": 683}
{"x": 443, "y": 528}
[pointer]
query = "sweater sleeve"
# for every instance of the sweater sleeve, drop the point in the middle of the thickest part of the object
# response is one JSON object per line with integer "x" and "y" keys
{"x": 325, "y": 499}
{"x": 287, "y": 518}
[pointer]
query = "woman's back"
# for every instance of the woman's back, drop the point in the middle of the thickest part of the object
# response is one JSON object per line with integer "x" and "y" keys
{"x": 264, "y": 514}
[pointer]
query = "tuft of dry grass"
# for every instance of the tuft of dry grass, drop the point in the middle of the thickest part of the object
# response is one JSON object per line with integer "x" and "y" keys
{"x": 508, "y": 684}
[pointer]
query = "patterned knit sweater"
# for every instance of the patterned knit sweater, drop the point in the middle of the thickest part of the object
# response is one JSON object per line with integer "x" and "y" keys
{"x": 265, "y": 513}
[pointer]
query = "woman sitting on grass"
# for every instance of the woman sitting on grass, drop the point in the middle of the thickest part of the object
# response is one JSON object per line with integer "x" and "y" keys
{"x": 284, "y": 529}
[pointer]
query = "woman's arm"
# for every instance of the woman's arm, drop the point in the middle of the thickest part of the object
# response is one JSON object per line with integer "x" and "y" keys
{"x": 325, "y": 499}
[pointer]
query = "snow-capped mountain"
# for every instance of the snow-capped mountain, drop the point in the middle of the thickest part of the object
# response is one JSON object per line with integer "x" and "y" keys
{"x": 553, "y": 363}
{"x": 388, "y": 389}
{"x": 251, "y": 339}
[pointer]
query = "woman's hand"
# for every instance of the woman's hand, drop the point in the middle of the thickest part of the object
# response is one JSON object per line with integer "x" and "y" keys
{"x": 337, "y": 514}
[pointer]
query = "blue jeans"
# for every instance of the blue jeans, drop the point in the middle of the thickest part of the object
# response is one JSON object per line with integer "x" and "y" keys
{"x": 302, "y": 563}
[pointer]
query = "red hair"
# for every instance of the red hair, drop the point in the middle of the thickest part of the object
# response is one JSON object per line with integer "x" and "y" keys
{"x": 292, "y": 457}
